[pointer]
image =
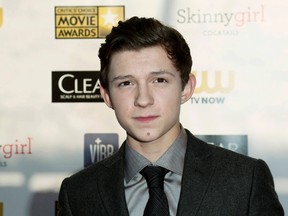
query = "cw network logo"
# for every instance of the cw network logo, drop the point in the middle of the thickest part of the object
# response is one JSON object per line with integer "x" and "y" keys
{"x": 99, "y": 146}
{"x": 215, "y": 83}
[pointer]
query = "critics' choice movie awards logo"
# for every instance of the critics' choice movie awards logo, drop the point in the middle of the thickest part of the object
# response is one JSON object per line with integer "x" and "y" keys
{"x": 236, "y": 143}
{"x": 76, "y": 86}
{"x": 17, "y": 148}
{"x": 99, "y": 146}
{"x": 214, "y": 85}
{"x": 86, "y": 21}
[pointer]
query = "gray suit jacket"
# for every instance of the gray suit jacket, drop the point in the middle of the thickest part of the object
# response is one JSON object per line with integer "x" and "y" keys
{"x": 215, "y": 182}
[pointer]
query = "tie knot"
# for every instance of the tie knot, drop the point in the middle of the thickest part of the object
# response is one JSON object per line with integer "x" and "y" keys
{"x": 154, "y": 176}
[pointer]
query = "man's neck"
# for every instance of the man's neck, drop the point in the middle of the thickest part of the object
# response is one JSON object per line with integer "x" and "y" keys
{"x": 155, "y": 149}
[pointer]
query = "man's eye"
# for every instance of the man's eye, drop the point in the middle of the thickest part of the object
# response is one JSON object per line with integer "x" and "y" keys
{"x": 160, "y": 80}
{"x": 125, "y": 83}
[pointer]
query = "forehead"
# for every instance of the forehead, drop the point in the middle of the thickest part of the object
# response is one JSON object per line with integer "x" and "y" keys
{"x": 143, "y": 61}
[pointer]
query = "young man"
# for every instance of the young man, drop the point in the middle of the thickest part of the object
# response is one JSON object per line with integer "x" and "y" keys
{"x": 145, "y": 77}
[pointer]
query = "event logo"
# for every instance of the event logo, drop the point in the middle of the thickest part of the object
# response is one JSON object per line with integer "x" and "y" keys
{"x": 98, "y": 147}
{"x": 215, "y": 83}
{"x": 76, "y": 86}
{"x": 1, "y": 16}
{"x": 236, "y": 143}
{"x": 237, "y": 18}
{"x": 86, "y": 21}
{"x": 7, "y": 151}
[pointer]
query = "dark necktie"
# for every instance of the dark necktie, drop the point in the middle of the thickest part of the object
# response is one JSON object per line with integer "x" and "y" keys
{"x": 157, "y": 204}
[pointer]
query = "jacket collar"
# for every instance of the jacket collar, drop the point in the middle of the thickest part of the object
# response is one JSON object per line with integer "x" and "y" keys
{"x": 198, "y": 172}
{"x": 111, "y": 185}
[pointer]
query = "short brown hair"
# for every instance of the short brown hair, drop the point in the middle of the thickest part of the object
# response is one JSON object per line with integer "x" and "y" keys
{"x": 137, "y": 33}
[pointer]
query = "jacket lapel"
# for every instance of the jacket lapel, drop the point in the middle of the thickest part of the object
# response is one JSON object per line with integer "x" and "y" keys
{"x": 198, "y": 171}
{"x": 111, "y": 184}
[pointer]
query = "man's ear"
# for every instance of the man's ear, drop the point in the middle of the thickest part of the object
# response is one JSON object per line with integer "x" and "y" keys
{"x": 106, "y": 96}
{"x": 188, "y": 89}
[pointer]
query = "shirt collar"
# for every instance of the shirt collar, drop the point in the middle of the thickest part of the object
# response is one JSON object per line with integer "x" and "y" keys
{"x": 172, "y": 159}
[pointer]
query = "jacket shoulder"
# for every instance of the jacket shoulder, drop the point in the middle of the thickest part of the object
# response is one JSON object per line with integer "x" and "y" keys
{"x": 201, "y": 149}
{"x": 91, "y": 173}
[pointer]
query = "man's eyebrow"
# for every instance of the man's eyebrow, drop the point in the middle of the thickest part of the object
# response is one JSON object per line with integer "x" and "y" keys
{"x": 121, "y": 77}
{"x": 162, "y": 72}
{"x": 153, "y": 73}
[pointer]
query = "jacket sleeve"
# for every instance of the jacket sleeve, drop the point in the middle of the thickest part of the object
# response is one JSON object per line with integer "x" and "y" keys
{"x": 263, "y": 198}
{"x": 63, "y": 201}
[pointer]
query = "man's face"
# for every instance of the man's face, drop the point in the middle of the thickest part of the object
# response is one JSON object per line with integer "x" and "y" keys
{"x": 145, "y": 92}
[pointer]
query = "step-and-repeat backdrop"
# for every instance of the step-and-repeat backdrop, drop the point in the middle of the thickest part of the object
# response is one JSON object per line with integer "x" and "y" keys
{"x": 53, "y": 121}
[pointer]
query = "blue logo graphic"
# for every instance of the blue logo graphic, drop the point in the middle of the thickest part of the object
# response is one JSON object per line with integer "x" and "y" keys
{"x": 98, "y": 147}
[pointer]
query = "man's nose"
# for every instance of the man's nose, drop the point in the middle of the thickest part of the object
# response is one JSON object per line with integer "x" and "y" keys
{"x": 143, "y": 96}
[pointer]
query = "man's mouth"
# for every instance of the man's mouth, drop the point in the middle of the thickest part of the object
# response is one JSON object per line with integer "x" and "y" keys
{"x": 146, "y": 118}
